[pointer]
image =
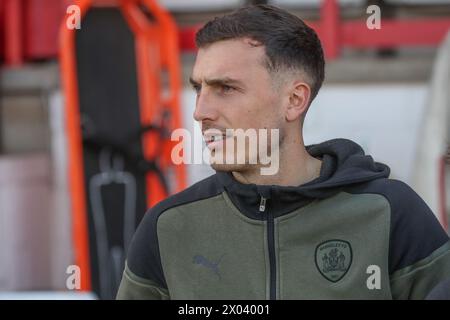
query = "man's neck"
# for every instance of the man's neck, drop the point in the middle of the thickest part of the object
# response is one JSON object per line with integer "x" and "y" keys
{"x": 296, "y": 167}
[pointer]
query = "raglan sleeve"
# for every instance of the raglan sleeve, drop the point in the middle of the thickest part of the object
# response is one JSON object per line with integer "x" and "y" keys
{"x": 143, "y": 277}
{"x": 419, "y": 248}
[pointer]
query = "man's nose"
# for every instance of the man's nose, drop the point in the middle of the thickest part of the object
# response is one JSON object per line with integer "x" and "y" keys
{"x": 204, "y": 108}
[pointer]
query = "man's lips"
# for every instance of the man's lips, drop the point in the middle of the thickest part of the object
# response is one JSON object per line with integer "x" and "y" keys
{"x": 215, "y": 137}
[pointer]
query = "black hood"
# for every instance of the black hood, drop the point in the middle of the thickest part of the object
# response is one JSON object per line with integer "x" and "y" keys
{"x": 343, "y": 164}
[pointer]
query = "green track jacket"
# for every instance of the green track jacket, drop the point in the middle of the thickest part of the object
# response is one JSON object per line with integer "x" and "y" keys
{"x": 352, "y": 233}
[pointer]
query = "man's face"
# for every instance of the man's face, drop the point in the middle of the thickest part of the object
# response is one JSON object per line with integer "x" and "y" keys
{"x": 234, "y": 91}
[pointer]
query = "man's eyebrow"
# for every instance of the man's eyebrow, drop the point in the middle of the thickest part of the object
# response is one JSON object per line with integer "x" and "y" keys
{"x": 217, "y": 81}
{"x": 223, "y": 81}
{"x": 193, "y": 82}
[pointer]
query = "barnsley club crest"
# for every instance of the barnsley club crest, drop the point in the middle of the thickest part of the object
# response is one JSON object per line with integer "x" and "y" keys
{"x": 333, "y": 259}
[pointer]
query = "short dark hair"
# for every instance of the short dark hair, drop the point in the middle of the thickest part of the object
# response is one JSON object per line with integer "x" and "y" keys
{"x": 289, "y": 42}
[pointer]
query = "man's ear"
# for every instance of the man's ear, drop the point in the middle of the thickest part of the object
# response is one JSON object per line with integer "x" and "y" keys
{"x": 299, "y": 95}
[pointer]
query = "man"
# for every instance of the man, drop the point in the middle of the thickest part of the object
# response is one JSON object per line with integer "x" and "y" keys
{"x": 329, "y": 224}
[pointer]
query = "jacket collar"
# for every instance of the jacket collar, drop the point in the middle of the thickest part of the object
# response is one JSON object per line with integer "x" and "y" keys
{"x": 343, "y": 163}
{"x": 280, "y": 200}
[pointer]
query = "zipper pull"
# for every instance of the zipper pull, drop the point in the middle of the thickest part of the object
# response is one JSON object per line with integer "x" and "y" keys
{"x": 262, "y": 205}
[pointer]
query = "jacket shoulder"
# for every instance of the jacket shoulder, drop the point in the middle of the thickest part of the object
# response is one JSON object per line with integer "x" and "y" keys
{"x": 143, "y": 258}
{"x": 206, "y": 188}
{"x": 415, "y": 231}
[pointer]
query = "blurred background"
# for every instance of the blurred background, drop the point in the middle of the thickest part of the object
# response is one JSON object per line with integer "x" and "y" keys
{"x": 86, "y": 115}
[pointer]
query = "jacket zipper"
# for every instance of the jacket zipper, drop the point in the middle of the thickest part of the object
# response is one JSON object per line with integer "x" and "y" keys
{"x": 271, "y": 247}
